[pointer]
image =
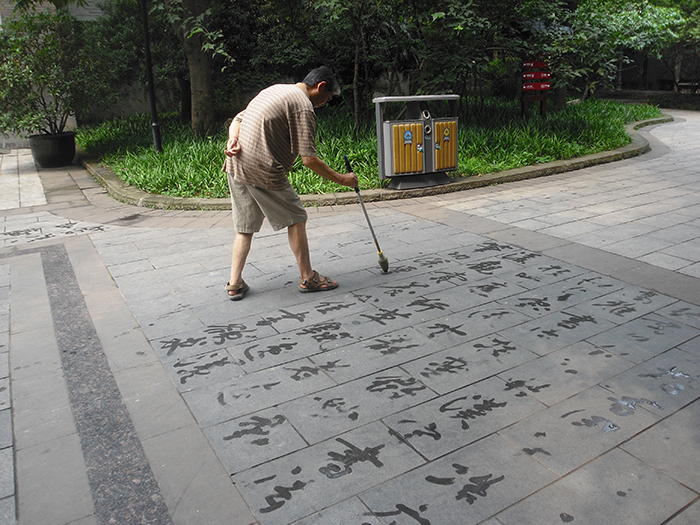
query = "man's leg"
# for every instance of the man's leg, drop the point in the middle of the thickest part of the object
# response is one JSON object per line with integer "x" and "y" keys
{"x": 239, "y": 254}
{"x": 299, "y": 243}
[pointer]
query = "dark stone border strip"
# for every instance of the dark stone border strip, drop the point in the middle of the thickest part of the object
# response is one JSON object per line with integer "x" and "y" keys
{"x": 130, "y": 195}
{"x": 124, "y": 489}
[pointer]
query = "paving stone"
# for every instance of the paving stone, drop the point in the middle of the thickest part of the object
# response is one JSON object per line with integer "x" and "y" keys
{"x": 661, "y": 385}
{"x": 542, "y": 271}
{"x": 308, "y": 341}
{"x": 317, "y": 477}
{"x": 202, "y": 370}
{"x": 684, "y": 312}
{"x": 251, "y": 393}
{"x": 688, "y": 516}
{"x": 615, "y": 488}
{"x": 626, "y": 304}
{"x": 468, "y": 363}
{"x": 459, "y": 328}
{"x": 210, "y": 337}
{"x": 348, "y": 512}
{"x": 564, "y": 373}
{"x": 179, "y": 319}
{"x": 464, "y": 416}
{"x": 479, "y": 249}
{"x": 371, "y": 355}
{"x": 577, "y": 430}
{"x": 7, "y": 473}
{"x": 320, "y": 415}
{"x": 601, "y": 284}
{"x": 557, "y": 330}
{"x": 644, "y": 337}
{"x": 6, "y": 437}
{"x": 692, "y": 346}
{"x": 52, "y": 481}
{"x": 550, "y": 298}
{"x": 251, "y": 440}
{"x": 471, "y": 484}
{"x": 7, "y": 511}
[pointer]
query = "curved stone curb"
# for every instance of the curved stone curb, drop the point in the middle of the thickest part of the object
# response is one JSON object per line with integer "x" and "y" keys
{"x": 130, "y": 195}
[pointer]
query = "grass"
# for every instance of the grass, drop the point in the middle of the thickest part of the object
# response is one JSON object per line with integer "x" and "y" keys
{"x": 492, "y": 137}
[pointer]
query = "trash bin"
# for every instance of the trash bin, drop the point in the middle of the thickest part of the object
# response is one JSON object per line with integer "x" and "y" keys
{"x": 418, "y": 149}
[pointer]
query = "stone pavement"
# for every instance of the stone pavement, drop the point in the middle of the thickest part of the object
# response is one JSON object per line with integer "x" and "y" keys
{"x": 531, "y": 357}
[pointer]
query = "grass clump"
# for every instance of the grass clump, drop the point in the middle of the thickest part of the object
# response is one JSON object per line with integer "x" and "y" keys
{"x": 492, "y": 137}
{"x": 581, "y": 129}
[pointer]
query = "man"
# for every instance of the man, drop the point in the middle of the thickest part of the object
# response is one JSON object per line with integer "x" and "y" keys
{"x": 264, "y": 140}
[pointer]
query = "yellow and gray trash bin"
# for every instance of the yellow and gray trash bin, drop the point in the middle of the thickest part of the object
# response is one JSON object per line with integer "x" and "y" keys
{"x": 417, "y": 149}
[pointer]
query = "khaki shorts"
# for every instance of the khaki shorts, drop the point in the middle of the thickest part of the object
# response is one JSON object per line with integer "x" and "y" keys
{"x": 250, "y": 205}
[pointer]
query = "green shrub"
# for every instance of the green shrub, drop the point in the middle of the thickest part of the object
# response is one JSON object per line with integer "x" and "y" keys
{"x": 491, "y": 139}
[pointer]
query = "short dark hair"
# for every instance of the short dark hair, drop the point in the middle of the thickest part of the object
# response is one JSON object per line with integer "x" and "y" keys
{"x": 322, "y": 74}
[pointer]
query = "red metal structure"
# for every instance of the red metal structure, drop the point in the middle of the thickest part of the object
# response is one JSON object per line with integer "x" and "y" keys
{"x": 536, "y": 77}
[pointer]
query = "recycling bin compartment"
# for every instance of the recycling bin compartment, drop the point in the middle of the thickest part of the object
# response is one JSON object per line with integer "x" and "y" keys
{"x": 417, "y": 149}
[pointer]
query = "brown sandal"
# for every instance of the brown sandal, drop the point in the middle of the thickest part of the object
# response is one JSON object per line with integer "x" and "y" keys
{"x": 240, "y": 289}
{"x": 316, "y": 284}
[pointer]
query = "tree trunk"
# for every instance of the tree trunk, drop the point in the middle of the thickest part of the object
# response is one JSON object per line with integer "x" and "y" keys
{"x": 199, "y": 64}
{"x": 356, "y": 72}
{"x": 560, "y": 98}
{"x": 185, "y": 98}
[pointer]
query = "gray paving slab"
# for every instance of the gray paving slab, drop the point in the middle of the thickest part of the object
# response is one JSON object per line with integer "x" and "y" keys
{"x": 468, "y": 485}
{"x": 687, "y": 516}
{"x": 461, "y": 417}
{"x": 578, "y": 430}
{"x": 644, "y": 337}
{"x": 7, "y": 473}
{"x": 321, "y": 415}
{"x": 661, "y": 385}
{"x": 348, "y": 512}
{"x": 468, "y": 363}
{"x": 299, "y": 484}
{"x": 618, "y": 489}
{"x": 557, "y": 330}
{"x": 562, "y": 374}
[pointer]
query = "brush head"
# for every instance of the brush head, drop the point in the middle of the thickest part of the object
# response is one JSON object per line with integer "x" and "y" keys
{"x": 383, "y": 262}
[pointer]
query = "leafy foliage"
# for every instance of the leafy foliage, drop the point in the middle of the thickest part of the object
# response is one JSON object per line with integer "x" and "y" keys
{"x": 492, "y": 140}
{"x": 48, "y": 72}
{"x": 589, "y": 44}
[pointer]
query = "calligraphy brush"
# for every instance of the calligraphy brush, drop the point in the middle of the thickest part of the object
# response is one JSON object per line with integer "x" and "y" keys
{"x": 383, "y": 261}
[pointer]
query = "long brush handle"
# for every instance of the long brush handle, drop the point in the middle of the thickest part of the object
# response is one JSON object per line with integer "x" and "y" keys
{"x": 364, "y": 210}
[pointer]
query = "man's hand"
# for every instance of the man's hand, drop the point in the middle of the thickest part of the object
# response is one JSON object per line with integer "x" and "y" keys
{"x": 321, "y": 168}
{"x": 233, "y": 148}
{"x": 350, "y": 179}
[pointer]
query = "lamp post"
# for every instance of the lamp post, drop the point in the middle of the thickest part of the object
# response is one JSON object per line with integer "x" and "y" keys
{"x": 149, "y": 77}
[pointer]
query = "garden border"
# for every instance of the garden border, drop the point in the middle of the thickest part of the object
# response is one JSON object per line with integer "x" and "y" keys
{"x": 122, "y": 192}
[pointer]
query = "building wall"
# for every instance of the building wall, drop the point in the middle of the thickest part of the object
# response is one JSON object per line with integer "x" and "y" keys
{"x": 90, "y": 11}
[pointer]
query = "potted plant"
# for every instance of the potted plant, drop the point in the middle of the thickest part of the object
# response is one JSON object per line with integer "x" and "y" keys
{"x": 48, "y": 72}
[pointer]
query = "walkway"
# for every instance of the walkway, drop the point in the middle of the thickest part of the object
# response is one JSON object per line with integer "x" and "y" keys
{"x": 531, "y": 357}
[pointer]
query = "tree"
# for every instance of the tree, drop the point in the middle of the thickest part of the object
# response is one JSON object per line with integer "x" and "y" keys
{"x": 590, "y": 43}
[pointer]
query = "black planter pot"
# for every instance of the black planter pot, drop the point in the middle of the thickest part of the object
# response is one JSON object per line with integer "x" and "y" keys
{"x": 53, "y": 151}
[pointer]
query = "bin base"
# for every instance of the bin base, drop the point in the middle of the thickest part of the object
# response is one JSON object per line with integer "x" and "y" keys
{"x": 424, "y": 180}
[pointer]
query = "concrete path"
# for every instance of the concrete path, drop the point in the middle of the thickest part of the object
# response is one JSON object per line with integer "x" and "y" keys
{"x": 532, "y": 356}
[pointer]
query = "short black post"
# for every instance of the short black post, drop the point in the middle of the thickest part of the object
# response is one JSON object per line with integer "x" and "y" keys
{"x": 149, "y": 76}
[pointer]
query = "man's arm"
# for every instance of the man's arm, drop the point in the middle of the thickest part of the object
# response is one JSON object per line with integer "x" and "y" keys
{"x": 233, "y": 148}
{"x": 324, "y": 170}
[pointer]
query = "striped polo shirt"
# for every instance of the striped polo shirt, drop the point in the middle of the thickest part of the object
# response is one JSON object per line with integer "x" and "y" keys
{"x": 278, "y": 125}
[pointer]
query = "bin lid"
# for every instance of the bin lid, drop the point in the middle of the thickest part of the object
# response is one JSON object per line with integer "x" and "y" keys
{"x": 414, "y": 98}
